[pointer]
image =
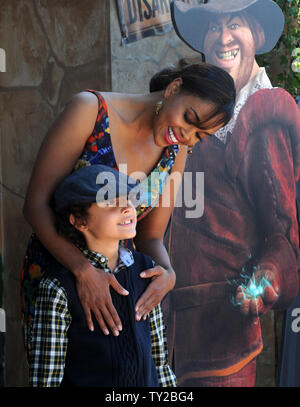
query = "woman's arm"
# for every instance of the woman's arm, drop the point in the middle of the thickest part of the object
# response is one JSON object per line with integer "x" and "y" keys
{"x": 149, "y": 240}
{"x": 61, "y": 148}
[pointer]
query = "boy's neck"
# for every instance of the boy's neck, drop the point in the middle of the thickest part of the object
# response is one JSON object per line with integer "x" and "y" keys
{"x": 109, "y": 249}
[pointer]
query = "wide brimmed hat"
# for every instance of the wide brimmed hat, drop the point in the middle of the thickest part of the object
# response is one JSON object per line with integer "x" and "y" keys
{"x": 191, "y": 21}
{"x": 94, "y": 183}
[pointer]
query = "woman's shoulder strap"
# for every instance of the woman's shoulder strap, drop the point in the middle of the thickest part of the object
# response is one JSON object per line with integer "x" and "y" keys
{"x": 102, "y": 107}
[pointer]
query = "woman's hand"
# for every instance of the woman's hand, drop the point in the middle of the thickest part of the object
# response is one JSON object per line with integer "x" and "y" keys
{"x": 260, "y": 294}
{"x": 162, "y": 282}
{"x": 94, "y": 294}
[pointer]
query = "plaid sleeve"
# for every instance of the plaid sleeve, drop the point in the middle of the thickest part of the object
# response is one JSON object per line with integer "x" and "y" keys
{"x": 166, "y": 377}
{"x": 48, "y": 344}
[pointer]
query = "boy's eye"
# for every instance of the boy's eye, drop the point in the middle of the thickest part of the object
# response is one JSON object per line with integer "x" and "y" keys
{"x": 107, "y": 204}
{"x": 123, "y": 202}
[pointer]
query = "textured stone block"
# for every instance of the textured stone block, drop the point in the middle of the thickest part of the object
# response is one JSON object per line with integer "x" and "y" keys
{"x": 81, "y": 22}
{"x": 16, "y": 373}
{"x": 24, "y": 43}
{"x": 52, "y": 81}
{"x": 16, "y": 234}
{"x": 25, "y": 119}
{"x": 134, "y": 64}
{"x": 93, "y": 76}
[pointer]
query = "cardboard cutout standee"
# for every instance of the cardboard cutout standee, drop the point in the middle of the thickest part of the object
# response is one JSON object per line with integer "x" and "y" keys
{"x": 238, "y": 260}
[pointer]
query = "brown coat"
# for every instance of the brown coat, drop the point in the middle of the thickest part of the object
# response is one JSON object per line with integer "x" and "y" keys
{"x": 249, "y": 219}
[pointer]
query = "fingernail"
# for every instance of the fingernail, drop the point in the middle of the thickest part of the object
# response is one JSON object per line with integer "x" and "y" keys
{"x": 142, "y": 274}
{"x": 120, "y": 327}
{"x": 138, "y": 317}
{"x": 106, "y": 332}
{"x": 116, "y": 333}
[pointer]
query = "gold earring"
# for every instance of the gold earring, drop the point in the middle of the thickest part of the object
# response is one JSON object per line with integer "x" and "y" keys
{"x": 158, "y": 106}
{"x": 190, "y": 150}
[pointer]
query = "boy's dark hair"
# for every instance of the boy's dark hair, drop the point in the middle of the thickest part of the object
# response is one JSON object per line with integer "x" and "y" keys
{"x": 66, "y": 229}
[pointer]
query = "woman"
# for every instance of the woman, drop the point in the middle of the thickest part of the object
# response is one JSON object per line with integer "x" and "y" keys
{"x": 143, "y": 132}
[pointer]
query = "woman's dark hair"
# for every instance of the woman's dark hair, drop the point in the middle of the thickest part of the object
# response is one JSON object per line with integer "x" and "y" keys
{"x": 66, "y": 229}
{"x": 202, "y": 80}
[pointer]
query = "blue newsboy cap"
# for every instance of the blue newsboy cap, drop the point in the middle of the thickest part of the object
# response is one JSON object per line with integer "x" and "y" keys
{"x": 94, "y": 183}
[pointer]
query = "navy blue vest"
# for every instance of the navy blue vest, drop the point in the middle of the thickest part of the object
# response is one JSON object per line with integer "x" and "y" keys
{"x": 98, "y": 360}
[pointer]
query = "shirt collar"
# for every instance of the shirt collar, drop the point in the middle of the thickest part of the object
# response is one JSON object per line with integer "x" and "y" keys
{"x": 98, "y": 260}
{"x": 260, "y": 81}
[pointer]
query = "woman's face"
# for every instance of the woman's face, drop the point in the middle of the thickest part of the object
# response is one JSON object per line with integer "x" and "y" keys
{"x": 229, "y": 44}
{"x": 177, "y": 120}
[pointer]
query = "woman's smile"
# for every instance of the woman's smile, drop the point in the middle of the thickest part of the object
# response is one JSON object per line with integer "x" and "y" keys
{"x": 171, "y": 136}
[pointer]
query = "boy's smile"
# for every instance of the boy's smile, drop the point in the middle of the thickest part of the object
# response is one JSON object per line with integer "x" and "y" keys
{"x": 127, "y": 222}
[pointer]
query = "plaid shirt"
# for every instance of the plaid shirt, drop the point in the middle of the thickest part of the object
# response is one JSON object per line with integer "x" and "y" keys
{"x": 48, "y": 344}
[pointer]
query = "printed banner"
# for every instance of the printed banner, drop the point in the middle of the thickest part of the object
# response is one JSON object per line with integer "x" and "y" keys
{"x": 142, "y": 18}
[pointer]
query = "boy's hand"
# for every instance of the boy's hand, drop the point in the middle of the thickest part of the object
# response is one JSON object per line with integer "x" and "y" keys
{"x": 93, "y": 291}
{"x": 162, "y": 282}
{"x": 260, "y": 294}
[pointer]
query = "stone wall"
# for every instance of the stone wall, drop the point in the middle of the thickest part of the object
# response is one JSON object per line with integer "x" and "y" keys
{"x": 53, "y": 50}
{"x": 134, "y": 64}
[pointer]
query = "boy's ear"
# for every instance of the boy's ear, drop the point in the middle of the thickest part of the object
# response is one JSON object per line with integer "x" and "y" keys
{"x": 78, "y": 225}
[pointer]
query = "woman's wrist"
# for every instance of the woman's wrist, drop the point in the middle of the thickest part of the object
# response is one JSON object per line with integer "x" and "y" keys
{"x": 172, "y": 277}
{"x": 81, "y": 267}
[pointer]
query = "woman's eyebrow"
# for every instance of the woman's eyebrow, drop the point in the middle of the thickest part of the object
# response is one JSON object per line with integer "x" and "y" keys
{"x": 199, "y": 121}
{"x": 196, "y": 114}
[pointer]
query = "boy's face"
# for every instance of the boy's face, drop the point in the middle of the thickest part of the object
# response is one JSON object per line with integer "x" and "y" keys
{"x": 112, "y": 220}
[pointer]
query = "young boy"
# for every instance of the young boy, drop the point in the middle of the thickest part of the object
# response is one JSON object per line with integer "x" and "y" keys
{"x": 63, "y": 351}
